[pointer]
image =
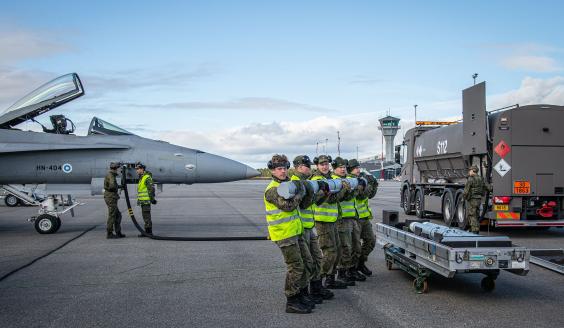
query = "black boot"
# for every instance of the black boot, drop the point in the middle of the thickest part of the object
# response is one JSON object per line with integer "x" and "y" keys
{"x": 363, "y": 269}
{"x": 293, "y": 305}
{"x": 110, "y": 235}
{"x": 345, "y": 278}
{"x": 149, "y": 231}
{"x": 316, "y": 299}
{"x": 120, "y": 235}
{"x": 331, "y": 283}
{"x": 355, "y": 275}
{"x": 305, "y": 300}
{"x": 316, "y": 289}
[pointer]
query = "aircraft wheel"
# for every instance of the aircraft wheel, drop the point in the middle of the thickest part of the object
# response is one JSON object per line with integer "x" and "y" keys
{"x": 488, "y": 284}
{"x": 11, "y": 200}
{"x": 59, "y": 223}
{"x": 47, "y": 224}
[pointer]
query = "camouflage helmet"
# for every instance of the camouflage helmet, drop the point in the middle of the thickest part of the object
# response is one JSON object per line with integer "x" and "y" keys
{"x": 302, "y": 160}
{"x": 322, "y": 159}
{"x": 474, "y": 168}
{"x": 114, "y": 166}
{"x": 338, "y": 162}
{"x": 352, "y": 164}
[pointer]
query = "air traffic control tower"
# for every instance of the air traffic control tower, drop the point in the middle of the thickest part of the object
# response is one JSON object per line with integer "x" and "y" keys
{"x": 389, "y": 126}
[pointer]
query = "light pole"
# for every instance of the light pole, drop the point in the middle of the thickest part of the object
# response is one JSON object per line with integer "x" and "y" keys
{"x": 338, "y": 144}
{"x": 415, "y": 107}
{"x": 474, "y": 76}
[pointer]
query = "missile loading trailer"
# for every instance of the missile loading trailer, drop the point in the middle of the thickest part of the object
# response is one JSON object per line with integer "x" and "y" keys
{"x": 519, "y": 151}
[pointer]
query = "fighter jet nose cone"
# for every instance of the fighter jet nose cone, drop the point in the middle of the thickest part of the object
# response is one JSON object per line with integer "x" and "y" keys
{"x": 212, "y": 168}
{"x": 251, "y": 173}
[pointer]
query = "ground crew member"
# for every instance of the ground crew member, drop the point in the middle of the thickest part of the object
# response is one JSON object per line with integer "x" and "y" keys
{"x": 111, "y": 197}
{"x": 285, "y": 230}
{"x": 326, "y": 214}
{"x": 302, "y": 166}
{"x": 364, "y": 234}
{"x": 345, "y": 226}
{"x": 474, "y": 190}
{"x": 145, "y": 196}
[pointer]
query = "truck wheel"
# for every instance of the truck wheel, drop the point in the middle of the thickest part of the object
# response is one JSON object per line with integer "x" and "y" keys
{"x": 11, "y": 200}
{"x": 461, "y": 213}
{"x": 406, "y": 202}
{"x": 46, "y": 224}
{"x": 449, "y": 207}
{"x": 419, "y": 207}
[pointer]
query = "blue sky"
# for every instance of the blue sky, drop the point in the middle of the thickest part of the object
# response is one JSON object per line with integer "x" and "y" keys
{"x": 247, "y": 79}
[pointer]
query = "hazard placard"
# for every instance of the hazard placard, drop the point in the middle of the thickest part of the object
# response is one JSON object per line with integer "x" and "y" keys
{"x": 502, "y": 167}
{"x": 502, "y": 149}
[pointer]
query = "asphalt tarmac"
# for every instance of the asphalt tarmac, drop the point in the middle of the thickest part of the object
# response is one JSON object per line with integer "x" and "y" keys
{"x": 138, "y": 282}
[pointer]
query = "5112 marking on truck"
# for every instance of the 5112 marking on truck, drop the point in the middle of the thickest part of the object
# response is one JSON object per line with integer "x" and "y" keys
{"x": 442, "y": 147}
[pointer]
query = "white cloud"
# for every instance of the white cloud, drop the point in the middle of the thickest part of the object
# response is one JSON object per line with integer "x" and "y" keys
{"x": 532, "y": 91}
{"x": 541, "y": 64}
{"x": 255, "y": 143}
{"x": 18, "y": 44}
{"x": 246, "y": 103}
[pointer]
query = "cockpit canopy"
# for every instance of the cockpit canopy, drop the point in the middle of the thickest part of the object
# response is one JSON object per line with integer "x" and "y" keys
{"x": 101, "y": 127}
{"x": 43, "y": 99}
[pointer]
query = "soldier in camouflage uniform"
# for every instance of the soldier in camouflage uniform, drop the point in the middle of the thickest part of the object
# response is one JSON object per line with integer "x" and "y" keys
{"x": 111, "y": 197}
{"x": 326, "y": 215}
{"x": 474, "y": 190}
{"x": 345, "y": 226}
{"x": 286, "y": 231}
{"x": 364, "y": 240}
{"x": 145, "y": 196}
{"x": 302, "y": 172}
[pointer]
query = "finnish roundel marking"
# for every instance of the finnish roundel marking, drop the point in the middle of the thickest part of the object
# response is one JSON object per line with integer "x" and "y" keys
{"x": 67, "y": 168}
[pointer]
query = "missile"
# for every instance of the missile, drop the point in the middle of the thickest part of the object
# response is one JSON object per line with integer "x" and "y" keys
{"x": 288, "y": 189}
{"x": 437, "y": 232}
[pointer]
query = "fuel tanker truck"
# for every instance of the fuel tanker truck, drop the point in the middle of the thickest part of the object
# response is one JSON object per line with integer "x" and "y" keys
{"x": 519, "y": 151}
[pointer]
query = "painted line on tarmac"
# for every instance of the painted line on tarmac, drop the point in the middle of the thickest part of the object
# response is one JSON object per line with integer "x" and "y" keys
{"x": 46, "y": 254}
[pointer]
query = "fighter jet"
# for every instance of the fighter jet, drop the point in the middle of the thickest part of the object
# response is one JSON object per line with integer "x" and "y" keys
{"x": 66, "y": 163}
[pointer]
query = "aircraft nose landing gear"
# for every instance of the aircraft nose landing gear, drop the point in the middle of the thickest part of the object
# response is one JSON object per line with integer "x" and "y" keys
{"x": 46, "y": 224}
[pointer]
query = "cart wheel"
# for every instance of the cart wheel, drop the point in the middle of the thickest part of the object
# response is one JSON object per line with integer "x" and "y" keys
{"x": 421, "y": 286}
{"x": 11, "y": 200}
{"x": 389, "y": 265}
{"x": 488, "y": 284}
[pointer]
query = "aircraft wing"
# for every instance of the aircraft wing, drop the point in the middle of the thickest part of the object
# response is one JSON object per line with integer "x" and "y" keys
{"x": 18, "y": 147}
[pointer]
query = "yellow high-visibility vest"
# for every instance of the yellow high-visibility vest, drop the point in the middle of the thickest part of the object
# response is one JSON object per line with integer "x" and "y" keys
{"x": 306, "y": 215}
{"x": 281, "y": 225}
{"x": 325, "y": 212}
{"x": 347, "y": 206}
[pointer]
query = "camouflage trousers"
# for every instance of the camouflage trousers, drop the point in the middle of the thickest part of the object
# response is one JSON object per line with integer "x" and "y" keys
{"x": 297, "y": 258}
{"x": 330, "y": 247}
{"x": 312, "y": 242}
{"x": 114, "y": 215}
{"x": 146, "y": 213}
{"x": 367, "y": 238}
{"x": 472, "y": 208}
{"x": 345, "y": 227}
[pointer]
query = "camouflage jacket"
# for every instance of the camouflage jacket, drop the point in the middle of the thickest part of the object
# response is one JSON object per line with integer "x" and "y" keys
{"x": 310, "y": 196}
{"x": 475, "y": 188}
{"x": 285, "y": 205}
{"x": 111, "y": 185}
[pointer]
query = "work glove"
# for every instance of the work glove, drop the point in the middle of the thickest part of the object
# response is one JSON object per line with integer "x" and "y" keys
{"x": 323, "y": 186}
{"x": 154, "y": 201}
{"x": 299, "y": 187}
{"x": 346, "y": 185}
{"x": 362, "y": 182}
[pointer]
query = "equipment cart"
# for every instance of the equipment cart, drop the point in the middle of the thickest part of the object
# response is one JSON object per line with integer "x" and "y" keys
{"x": 434, "y": 248}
